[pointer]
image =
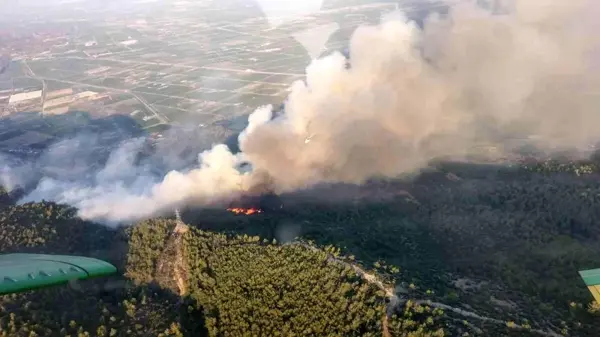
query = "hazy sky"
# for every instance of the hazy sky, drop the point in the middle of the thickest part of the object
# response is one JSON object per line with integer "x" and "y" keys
{"x": 23, "y": 8}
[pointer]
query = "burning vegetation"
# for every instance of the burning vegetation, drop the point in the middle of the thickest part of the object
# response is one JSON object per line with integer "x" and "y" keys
{"x": 244, "y": 211}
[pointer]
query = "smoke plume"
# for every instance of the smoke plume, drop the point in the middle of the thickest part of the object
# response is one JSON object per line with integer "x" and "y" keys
{"x": 413, "y": 95}
{"x": 410, "y": 95}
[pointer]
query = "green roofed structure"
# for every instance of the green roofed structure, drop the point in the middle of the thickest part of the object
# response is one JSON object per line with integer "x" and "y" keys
{"x": 22, "y": 272}
{"x": 592, "y": 281}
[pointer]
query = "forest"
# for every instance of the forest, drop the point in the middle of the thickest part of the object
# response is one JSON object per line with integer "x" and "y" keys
{"x": 459, "y": 250}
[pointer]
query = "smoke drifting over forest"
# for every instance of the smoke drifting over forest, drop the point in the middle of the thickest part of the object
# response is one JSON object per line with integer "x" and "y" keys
{"x": 410, "y": 96}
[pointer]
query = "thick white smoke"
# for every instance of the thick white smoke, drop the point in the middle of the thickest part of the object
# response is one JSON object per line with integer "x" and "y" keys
{"x": 411, "y": 95}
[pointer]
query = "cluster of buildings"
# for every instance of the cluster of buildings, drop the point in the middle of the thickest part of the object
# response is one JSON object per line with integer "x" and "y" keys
{"x": 46, "y": 102}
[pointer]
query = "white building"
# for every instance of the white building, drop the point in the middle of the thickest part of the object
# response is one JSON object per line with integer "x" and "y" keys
{"x": 129, "y": 42}
{"x": 24, "y": 96}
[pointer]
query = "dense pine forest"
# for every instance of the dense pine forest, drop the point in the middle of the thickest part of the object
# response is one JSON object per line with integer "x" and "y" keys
{"x": 460, "y": 250}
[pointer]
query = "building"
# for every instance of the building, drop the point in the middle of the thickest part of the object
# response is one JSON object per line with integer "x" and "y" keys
{"x": 58, "y": 93}
{"x": 24, "y": 96}
{"x": 129, "y": 42}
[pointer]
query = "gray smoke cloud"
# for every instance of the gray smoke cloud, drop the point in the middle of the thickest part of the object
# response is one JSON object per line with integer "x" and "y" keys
{"x": 14, "y": 173}
{"x": 410, "y": 96}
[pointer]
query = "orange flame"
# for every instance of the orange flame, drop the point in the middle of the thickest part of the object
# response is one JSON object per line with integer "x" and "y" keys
{"x": 244, "y": 211}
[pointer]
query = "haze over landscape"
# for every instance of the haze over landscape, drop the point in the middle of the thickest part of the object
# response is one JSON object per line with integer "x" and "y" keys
{"x": 435, "y": 159}
{"x": 220, "y": 79}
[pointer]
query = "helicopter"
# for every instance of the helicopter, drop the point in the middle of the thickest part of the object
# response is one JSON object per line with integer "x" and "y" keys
{"x": 591, "y": 278}
{"x": 23, "y": 272}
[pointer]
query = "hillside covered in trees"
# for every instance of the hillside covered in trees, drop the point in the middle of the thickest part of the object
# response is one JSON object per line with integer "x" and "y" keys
{"x": 461, "y": 250}
{"x": 232, "y": 286}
